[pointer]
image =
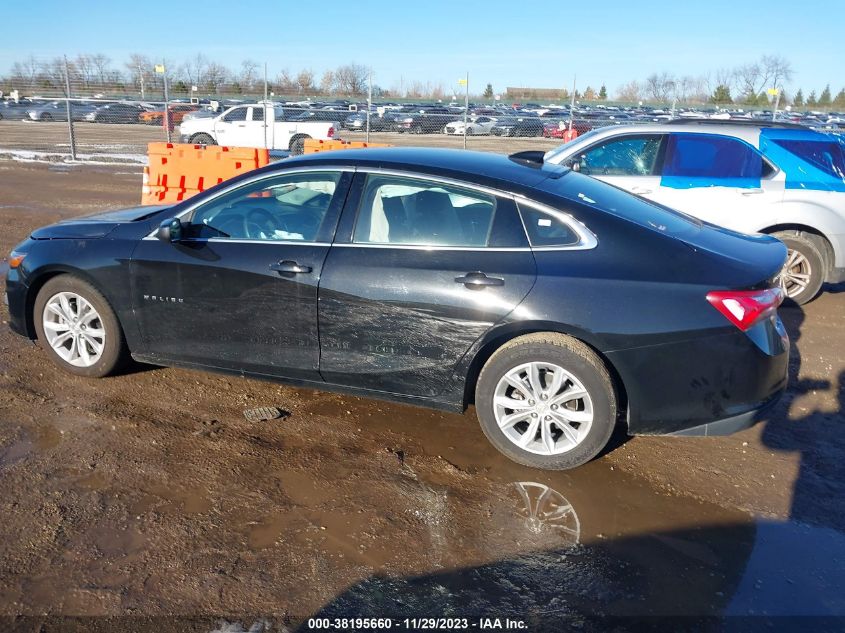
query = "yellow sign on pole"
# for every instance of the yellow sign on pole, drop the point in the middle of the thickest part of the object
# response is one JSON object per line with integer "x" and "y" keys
{"x": 773, "y": 92}
{"x": 462, "y": 82}
{"x": 160, "y": 69}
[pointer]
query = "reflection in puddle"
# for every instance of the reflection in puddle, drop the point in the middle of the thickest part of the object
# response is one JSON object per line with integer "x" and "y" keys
{"x": 546, "y": 509}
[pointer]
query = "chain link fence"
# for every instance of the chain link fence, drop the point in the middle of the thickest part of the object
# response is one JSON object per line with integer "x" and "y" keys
{"x": 88, "y": 109}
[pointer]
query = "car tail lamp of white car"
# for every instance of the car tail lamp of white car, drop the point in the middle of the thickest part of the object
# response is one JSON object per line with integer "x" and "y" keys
{"x": 330, "y": 133}
{"x": 746, "y": 308}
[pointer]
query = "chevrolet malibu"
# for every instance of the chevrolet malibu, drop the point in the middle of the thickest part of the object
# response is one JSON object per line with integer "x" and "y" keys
{"x": 558, "y": 305}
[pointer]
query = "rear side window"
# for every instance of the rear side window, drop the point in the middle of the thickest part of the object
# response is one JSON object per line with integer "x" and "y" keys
{"x": 701, "y": 160}
{"x": 397, "y": 210}
{"x": 824, "y": 155}
{"x": 545, "y": 228}
{"x": 258, "y": 114}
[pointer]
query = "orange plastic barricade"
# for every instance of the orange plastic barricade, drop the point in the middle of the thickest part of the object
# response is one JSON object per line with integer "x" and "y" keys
{"x": 569, "y": 135}
{"x": 313, "y": 145}
{"x": 178, "y": 171}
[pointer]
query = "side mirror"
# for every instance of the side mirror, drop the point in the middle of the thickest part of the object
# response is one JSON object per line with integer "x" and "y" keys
{"x": 574, "y": 164}
{"x": 170, "y": 230}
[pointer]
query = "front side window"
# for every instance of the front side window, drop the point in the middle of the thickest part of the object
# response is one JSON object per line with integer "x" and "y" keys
{"x": 627, "y": 156}
{"x": 711, "y": 160}
{"x": 238, "y": 114}
{"x": 284, "y": 208}
{"x": 398, "y": 210}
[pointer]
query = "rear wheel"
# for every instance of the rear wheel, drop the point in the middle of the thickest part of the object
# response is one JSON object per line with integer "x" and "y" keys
{"x": 46, "y": 117}
{"x": 803, "y": 272}
{"x": 297, "y": 145}
{"x": 202, "y": 139}
{"x": 77, "y": 327}
{"x": 546, "y": 400}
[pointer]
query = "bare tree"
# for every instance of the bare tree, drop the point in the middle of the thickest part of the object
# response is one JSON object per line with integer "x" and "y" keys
{"x": 85, "y": 68}
{"x": 195, "y": 69}
{"x": 249, "y": 74}
{"x": 140, "y": 66}
{"x": 769, "y": 72}
{"x": 305, "y": 81}
{"x": 216, "y": 75}
{"x": 630, "y": 92}
{"x": 659, "y": 87}
{"x": 284, "y": 83}
{"x": 328, "y": 82}
{"x": 351, "y": 79}
{"x": 102, "y": 67}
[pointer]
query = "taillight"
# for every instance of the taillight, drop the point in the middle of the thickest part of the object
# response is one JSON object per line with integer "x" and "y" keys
{"x": 746, "y": 308}
{"x": 331, "y": 131}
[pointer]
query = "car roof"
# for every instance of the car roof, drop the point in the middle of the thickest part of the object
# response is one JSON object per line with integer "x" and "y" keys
{"x": 747, "y": 131}
{"x": 476, "y": 167}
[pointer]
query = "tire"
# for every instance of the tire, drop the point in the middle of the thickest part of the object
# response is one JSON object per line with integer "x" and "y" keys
{"x": 417, "y": 129}
{"x": 202, "y": 139}
{"x": 113, "y": 353}
{"x": 297, "y": 145}
{"x": 805, "y": 265}
{"x": 580, "y": 367}
{"x": 46, "y": 116}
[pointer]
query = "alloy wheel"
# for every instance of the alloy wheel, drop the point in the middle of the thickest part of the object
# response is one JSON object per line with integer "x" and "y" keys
{"x": 542, "y": 408}
{"x": 796, "y": 274}
{"x": 74, "y": 329}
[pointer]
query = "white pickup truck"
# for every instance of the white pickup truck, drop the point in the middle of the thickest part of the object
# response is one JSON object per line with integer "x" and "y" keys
{"x": 255, "y": 125}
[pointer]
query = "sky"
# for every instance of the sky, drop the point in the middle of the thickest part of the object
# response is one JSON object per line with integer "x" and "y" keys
{"x": 506, "y": 43}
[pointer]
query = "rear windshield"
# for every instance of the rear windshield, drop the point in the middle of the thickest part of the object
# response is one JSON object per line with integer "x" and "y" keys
{"x": 824, "y": 155}
{"x": 609, "y": 199}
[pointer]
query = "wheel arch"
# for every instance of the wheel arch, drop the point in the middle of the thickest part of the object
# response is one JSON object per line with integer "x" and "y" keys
{"x": 40, "y": 277}
{"x": 828, "y": 251}
{"x": 296, "y": 137}
{"x": 478, "y": 357}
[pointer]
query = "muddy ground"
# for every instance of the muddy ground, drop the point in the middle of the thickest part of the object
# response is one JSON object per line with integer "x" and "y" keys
{"x": 150, "y": 494}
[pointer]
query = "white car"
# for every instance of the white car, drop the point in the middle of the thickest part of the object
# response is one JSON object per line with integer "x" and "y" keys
{"x": 476, "y": 127}
{"x": 751, "y": 176}
{"x": 256, "y": 125}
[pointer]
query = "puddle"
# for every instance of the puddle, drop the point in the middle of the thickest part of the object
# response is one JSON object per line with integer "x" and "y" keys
{"x": 45, "y": 439}
{"x": 189, "y": 501}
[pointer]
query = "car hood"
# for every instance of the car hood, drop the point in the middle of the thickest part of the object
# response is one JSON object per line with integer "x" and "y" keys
{"x": 95, "y": 226}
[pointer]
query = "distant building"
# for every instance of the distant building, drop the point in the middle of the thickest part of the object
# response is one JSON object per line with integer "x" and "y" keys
{"x": 536, "y": 93}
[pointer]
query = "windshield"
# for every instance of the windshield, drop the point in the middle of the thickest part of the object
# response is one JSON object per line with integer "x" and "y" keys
{"x": 555, "y": 153}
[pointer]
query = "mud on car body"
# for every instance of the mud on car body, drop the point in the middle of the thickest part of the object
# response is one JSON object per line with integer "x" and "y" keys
{"x": 556, "y": 304}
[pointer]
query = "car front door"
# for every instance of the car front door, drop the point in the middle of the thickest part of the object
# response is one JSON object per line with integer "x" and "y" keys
{"x": 426, "y": 270}
{"x": 239, "y": 290}
{"x": 721, "y": 179}
{"x": 630, "y": 161}
{"x": 230, "y": 129}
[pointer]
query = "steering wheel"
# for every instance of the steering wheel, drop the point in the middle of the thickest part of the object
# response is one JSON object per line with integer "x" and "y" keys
{"x": 260, "y": 221}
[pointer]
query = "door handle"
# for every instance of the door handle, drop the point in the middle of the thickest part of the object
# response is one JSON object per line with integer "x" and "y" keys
{"x": 640, "y": 190}
{"x": 479, "y": 280}
{"x": 751, "y": 192}
{"x": 289, "y": 266}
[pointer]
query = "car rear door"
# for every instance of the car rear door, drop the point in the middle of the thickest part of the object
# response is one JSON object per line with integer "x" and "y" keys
{"x": 720, "y": 179}
{"x": 419, "y": 271}
{"x": 239, "y": 291}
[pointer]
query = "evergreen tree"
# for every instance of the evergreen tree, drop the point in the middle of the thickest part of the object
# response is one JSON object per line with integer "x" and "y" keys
{"x": 798, "y": 101}
{"x": 839, "y": 101}
{"x": 811, "y": 100}
{"x": 824, "y": 97}
{"x": 488, "y": 91}
{"x": 603, "y": 93}
{"x": 589, "y": 94}
{"x": 722, "y": 94}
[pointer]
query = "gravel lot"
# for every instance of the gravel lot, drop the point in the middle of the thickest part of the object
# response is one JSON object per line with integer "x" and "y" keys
{"x": 150, "y": 494}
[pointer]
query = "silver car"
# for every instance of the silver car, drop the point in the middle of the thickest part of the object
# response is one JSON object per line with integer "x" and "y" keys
{"x": 754, "y": 177}
{"x": 57, "y": 111}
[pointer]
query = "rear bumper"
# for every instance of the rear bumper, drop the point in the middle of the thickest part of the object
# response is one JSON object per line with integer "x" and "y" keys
{"x": 708, "y": 385}
{"x": 733, "y": 424}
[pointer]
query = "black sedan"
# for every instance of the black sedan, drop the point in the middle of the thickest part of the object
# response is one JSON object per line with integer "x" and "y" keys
{"x": 518, "y": 126}
{"x": 115, "y": 113}
{"x": 557, "y": 304}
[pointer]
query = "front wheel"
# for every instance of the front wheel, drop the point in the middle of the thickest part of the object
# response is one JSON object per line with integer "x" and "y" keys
{"x": 202, "y": 139}
{"x": 546, "y": 400}
{"x": 803, "y": 272}
{"x": 78, "y": 328}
